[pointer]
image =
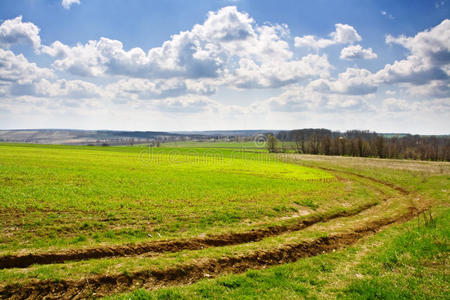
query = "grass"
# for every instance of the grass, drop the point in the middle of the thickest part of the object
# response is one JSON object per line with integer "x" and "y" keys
{"x": 54, "y": 197}
{"x": 215, "y": 144}
{"x": 403, "y": 262}
{"x": 72, "y": 196}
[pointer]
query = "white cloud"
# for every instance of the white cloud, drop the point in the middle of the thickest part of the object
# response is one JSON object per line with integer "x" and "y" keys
{"x": 357, "y": 52}
{"x": 187, "y": 104}
{"x": 300, "y": 98}
{"x": 68, "y": 3}
{"x": 397, "y": 105}
{"x": 228, "y": 51}
{"x": 20, "y": 77}
{"x": 387, "y": 15}
{"x": 17, "y": 69}
{"x": 429, "y": 57}
{"x": 137, "y": 88}
{"x": 14, "y": 31}
{"x": 229, "y": 46}
{"x": 390, "y": 92}
{"x": 344, "y": 34}
{"x": 201, "y": 52}
{"x": 73, "y": 89}
{"x": 433, "y": 89}
{"x": 351, "y": 82}
{"x": 61, "y": 88}
{"x": 278, "y": 73}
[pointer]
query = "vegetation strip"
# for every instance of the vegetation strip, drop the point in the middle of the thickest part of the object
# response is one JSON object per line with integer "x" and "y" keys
{"x": 185, "y": 274}
{"x": 392, "y": 186}
{"x": 25, "y": 260}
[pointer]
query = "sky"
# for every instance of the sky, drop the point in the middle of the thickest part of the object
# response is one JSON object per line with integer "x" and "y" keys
{"x": 177, "y": 65}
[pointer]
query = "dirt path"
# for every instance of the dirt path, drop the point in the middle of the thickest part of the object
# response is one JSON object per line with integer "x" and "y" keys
{"x": 388, "y": 184}
{"x": 26, "y": 260}
{"x": 188, "y": 273}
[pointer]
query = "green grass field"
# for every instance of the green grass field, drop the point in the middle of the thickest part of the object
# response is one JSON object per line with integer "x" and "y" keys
{"x": 72, "y": 196}
{"x": 70, "y": 199}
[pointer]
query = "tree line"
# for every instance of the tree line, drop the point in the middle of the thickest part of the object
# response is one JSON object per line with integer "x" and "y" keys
{"x": 362, "y": 144}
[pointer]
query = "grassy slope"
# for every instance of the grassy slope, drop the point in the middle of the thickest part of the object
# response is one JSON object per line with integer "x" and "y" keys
{"x": 73, "y": 196}
{"x": 405, "y": 261}
{"x": 414, "y": 258}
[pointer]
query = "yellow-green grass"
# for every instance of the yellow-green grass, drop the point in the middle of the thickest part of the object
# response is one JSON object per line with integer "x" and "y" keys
{"x": 78, "y": 270}
{"x": 217, "y": 144}
{"x": 72, "y": 196}
{"x": 258, "y": 144}
{"x": 56, "y": 197}
{"x": 404, "y": 261}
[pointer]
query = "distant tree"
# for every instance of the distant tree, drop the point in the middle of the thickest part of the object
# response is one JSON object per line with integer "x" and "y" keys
{"x": 360, "y": 144}
{"x": 326, "y": 144}
{"x": 379, "y": 144}
{"x": 299, "y": 138}
{"x": 367, "y": 144}
{"x": 314, "y": 143}
{"x": 342, "y": 147}
{"x": 272, "y": 144}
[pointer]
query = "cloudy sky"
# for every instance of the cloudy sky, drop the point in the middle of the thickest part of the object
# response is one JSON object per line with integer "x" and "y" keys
{"x": 225, "y": 64}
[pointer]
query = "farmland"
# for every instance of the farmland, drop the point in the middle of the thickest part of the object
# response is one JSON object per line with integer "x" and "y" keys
{"x": 103, "y": 221}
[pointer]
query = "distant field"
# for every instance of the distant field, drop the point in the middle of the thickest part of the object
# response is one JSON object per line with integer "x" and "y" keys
{"x": 99, "y": 221}
{"x": 258, "y": 145}
{"x": 210, "y": 144}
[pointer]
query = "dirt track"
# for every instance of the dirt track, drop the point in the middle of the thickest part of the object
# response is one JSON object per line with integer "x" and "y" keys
{"x": 26, "y": 260}
{"x": 184, "y": 274}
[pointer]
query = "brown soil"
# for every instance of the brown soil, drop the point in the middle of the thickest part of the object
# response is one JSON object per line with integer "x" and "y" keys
{"x": 101, "y": 285}
{"x": 25, "y": 260}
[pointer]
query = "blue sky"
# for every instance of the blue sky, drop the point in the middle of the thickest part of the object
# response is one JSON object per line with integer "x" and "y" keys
{"x": 173, "y": 65}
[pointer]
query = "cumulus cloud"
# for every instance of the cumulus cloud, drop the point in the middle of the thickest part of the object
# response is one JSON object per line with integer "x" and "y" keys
{"x": 433, "y": 89}
{"x": 17, "y": 69}
{"x": 228, "y": 50}
{"x": 396, "y": 105}
{"x": 187, "y": 104}
{"x": 428, "y": 60}
{"x": 344, "y": 34}
{"x": 72, "y": 89}
{"x": 20, "y": 77}
{"x": 277, "y": 74}
{"x": 353, "y": 81}
{"x": 14, "y": 31}
{"x": 198, "y": 53}
{"x": 68, "y": 3}
{"x": 145, "y": 89}
{"x": 357, "y": 52}
{"x": 229, "y": 46}
{"x": 300, "y": 98}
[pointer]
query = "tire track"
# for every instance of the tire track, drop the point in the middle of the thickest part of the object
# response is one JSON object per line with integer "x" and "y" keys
{"x": 386, "y": 183}
{"x": 102, "y": 285}
{"x": 26, "y": 260}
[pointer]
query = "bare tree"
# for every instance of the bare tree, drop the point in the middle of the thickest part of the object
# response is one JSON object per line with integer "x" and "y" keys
{"x": 272, "y": 144}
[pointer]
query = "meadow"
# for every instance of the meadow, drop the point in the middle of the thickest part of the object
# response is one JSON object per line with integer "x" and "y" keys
{"x": 151, "y": 222}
